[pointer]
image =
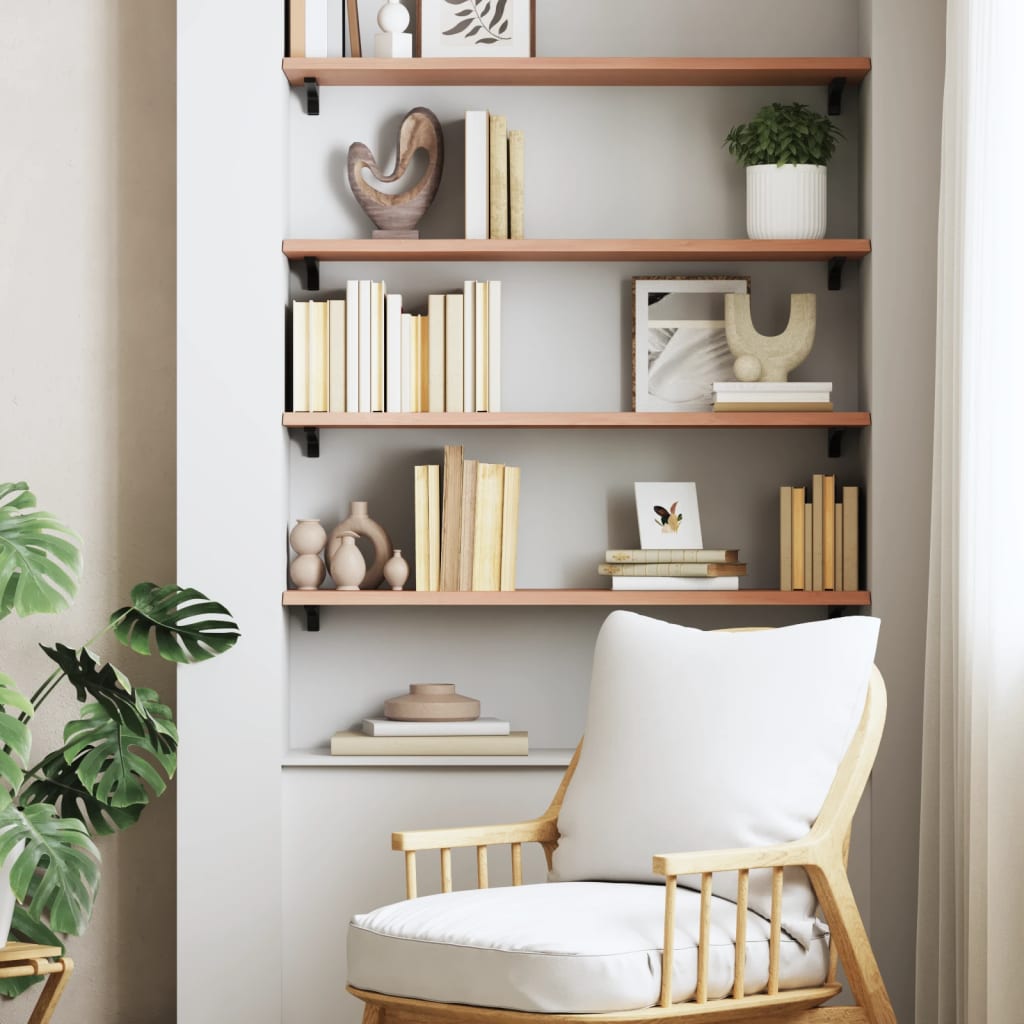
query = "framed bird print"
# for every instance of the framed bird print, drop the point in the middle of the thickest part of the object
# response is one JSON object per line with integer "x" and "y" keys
{"x": 667, "y": 515}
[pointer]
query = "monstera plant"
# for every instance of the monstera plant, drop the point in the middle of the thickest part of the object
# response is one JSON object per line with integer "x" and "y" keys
{"x": 119, "y": 752}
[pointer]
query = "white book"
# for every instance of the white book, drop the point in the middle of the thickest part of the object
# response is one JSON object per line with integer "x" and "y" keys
{"x": 300, "y": 356}
{"x": 478, "y": 200}
{"x": 453, "y": 353}
{"x": 478, "y": 727}
{"x": 352, "y": 346}
{"x": 407, "y": 374}
{"x": 335, "y": 28}
{"x": 319, "y": 345}
{"x": 469, "y": 346}
{"x": 378, "y": 293}
{"x": 494, "y": 346}
{"x": 365, "y": 391}
{"x": 480, "y": 330}
{"x": 789, "y": 386}
{"x": 393, "y": 354}
{"x": 675, "y": 583}
{"x": 435, "y": 353}
{"x": 760, "y": 397}
{"x": 316, "y": 28}
{"x": 336, "y": 355}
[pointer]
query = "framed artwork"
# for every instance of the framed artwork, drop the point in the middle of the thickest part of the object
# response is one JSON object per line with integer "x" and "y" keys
{"x": 475, "y": 28}
{"x": 667, "y": 515}
{"x": 679, "y": 344}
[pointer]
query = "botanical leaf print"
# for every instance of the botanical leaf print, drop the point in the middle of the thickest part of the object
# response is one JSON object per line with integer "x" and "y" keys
{"x": 485, "y": 22}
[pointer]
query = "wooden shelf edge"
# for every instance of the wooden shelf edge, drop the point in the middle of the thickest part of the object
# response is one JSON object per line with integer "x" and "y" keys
{"x": 553, "y": 757}
{"x": 574, "y": 598}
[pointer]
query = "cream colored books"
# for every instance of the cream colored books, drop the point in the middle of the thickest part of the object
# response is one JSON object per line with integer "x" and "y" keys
{"x": 435, "y": 356}
{"x": 808, "y": 546}
{"x": 365, "y": 344}
{"x": 467, "y": 524}
{"x": 490, "y": 483}
{"x": 828, "y": 533}
{"x": 451, "y": 516}
{"x": 406, "y": 373}
{"x": 817, "y": 530}
{"x": 673, "y": 555}
{"x": 469, "y": 346}
{"x": 494, "y": 346}
{"x": 798, "y": 537}
{"x": 509, "y": 527}
{"x": 499, "y": 176}
{"x": 481, "y": 319}
{"x": 336, "y": 355}
{"x": 478, "y": 146}
{"x": 785, "y": 538}
{"x": 681, "y": 569}
{"x": 351, "y": 742}
{"x": 352, "y": 346}
{"x": 516, "y": 183}
{"x": 434, "y": 523}
{"x": 851, "y": 539}
{"x": 300, "y": 357}
{"x": 296, "y": 28}
{"x": 393, "y": 353}
{"x": 378, "y": 293}
{"x": 319, "y": 342}
{"x": 421, "y": 516}
{"x": 453, "y": 353}
{"x": 840, "y": 582}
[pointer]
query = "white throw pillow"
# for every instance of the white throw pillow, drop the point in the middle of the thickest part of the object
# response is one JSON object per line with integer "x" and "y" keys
{"x": 711, "y": 740}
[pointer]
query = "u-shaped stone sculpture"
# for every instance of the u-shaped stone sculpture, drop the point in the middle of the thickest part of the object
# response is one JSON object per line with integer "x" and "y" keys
{"x": 761, "y": 357}
{"x": 398, "y": 215}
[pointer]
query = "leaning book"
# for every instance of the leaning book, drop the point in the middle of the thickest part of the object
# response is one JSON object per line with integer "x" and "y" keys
{"x": 515, "y": 744}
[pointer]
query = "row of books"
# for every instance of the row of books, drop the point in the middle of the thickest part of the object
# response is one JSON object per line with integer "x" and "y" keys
{"x": 772, "y": 396}
{"x": 481, "y": 737}
{"x": 819, "y": 540}
{"x": 673, "y": 569}
{"x": 365, "y": 353}
{"x": 495, "y": 171}
{"x": 467, "y": 533}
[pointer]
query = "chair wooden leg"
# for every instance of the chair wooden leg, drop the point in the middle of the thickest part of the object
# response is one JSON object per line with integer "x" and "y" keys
{"x": 52, "y": 991}
{"x": 373, "y": 1014}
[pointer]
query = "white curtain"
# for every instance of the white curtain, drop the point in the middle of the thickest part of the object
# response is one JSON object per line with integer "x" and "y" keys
{"x": 971, "y": 888}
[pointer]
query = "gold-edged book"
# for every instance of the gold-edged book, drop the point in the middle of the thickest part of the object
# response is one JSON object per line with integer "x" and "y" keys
{"x": 351, "y": 742}
{"x": 697, "y": 569}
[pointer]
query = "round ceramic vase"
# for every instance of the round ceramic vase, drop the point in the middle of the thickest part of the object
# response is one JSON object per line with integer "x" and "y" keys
{"x": 308, "y": 537}
{"x": 790, "y": 201}
{"x": 396, "y": 570}
{"x": 432, "y": 702}
{"x": 307, "y": 572}
{"x": 348, "y": 567}
{"x": 360, "y": 523}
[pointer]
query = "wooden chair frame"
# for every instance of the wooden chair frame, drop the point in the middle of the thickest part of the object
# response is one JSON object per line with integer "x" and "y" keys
{"x": 25, "y": 960}
{"x": 822, "y": 853}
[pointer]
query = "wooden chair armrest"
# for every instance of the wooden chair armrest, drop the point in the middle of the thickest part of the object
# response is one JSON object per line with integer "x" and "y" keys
{"x": 540, "y": 830}
{"x": 743, "y": 859}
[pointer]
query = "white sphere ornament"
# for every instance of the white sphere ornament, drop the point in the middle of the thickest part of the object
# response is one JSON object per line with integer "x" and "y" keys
{"x": 393, "y": 17}
{"x": 393, "y": 40}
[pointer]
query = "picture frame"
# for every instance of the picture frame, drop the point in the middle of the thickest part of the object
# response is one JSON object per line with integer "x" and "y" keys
{"x": 475, "y": 28}
{"x": 679, "y": 343}
{"x": 667, "y": 515}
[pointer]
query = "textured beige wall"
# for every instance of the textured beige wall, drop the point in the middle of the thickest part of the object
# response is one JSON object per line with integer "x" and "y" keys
{"x": 87, "y": 229}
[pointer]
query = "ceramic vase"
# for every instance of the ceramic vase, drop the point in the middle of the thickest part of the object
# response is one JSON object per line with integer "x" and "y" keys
{"x": 396, "y": 570}
{"x": 307, "y": 538}
{"x": 790, "y": 201}
{"x": 348, "y": 567}
{"x": 307, "y": 572}
{"x": 432, "y": 702}
{"x": 359, "y": 522}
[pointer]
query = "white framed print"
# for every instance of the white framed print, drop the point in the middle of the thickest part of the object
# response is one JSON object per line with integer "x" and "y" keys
{"x": 475, "y": 28}
{"x": 679, "y": 343}
{"x": 667, "y": 515}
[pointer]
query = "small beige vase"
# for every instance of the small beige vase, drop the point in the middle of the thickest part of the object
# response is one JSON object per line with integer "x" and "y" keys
{"x": 348, "y": 567}
{"x": 359, "y": 521}
{"x": 396, "y": 570}
{"x": 432, "y": 702}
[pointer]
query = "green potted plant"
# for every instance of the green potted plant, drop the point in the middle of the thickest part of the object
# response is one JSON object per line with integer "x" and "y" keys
{"x": 118, "y": 753}
{"x": 786, "y": 150}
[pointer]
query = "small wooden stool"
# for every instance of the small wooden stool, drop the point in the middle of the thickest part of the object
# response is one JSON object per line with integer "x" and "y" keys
{"x": 25, "y": 959}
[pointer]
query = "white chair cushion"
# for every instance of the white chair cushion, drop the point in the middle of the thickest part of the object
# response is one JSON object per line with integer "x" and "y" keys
{"x": 574, "y": 947}
{"x": 700, "y": 741}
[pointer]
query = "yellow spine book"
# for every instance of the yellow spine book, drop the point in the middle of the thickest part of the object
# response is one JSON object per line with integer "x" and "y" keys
{"x": 828, "y": 533}
{"x": 490, "y": 482}
{"x": 798, "y": 538}
{"x": 499, "y": 176}
{"x": 808, "y": 546}
{"x": 296, "y": 28}
{"x": 319, "y": 343}
{"x": 509, "y": 527}
{"x": 423, "y": 362}
{"x": 353, "y": 743}
{"x": 300, "y": 357}
{"x": 378, "y": 292}
{"x": 421, "y": 513}
{"x": 840, "y": 582}
{"x": 468, "y": 524}
{"x": 482, "y": 321}
{"x": 785, "y": 538}
{"x": 451, "y": 516}
{"x": 336, "y": 355}
{"x": 851, "y": 539}
{"x": 435, "y": 356}
{"x": 516, "y": 183}
{"x": 453, "y": 353}
{"x": 817, "y": 524}
{"x": 434, "y": 522}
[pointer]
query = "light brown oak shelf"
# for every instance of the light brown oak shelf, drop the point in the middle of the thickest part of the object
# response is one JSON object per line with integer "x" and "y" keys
{"x": 541, "y": 757}
{"x": 575, "y": 71}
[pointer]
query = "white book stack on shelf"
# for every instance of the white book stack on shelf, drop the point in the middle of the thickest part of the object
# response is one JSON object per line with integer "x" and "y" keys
{"x": 772, "y": 396}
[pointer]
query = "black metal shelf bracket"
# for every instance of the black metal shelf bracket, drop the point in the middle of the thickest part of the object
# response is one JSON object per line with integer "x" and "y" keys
{"x": 837, "y": 611}
{"x": 312, "y": 617}
{"x": 311, "y": 436}
{"x": 835, "y": 96}
{"x": 835, "y": 272}
{"x": 312, "y": 89}
{"x": 835, "y": 441}
{"x": 312, "y": 265}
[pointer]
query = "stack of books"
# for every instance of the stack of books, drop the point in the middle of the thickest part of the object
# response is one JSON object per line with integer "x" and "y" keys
{"x": 466, "y": 537}
{"x": 495, "y": 169}
{"x": 480, "y": 738}
{"x": 365, "y": 353}
{"x": 673, "y": 569}
{"x": 819, "y": 544}
{"x": 772, "y": 396}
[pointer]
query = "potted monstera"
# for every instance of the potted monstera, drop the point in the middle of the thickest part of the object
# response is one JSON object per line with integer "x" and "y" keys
{"x": 117, "y": 754}
{"x": 786, "y": 149}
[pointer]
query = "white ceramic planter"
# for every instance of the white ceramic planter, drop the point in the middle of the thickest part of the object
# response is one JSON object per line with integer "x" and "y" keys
{"x": 790, "y": 201}
{"x": 6, "y": 896}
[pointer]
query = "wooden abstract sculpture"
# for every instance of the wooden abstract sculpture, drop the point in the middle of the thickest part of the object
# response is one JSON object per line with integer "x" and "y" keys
{"x": 763, "y": 358}
{"x": 396, "y": 216}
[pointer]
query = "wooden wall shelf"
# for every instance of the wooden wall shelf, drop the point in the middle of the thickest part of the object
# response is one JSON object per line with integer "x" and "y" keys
{"x": 576, "y": 71}
{"x": 541, "y": 757}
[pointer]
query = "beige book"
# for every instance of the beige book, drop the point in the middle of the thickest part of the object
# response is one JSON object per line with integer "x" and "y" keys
{"x": 319, "y": 347}
{"x": 451, "y": 516}
{"x": 785, "y": 538}
{"x": 851, "y": 539}
{"x": 516, "y": 183}
{"x": 434, "y": 522}
{"x": 494, "y": 346}
{"x": 378, "y": 293}
{"x": 509, "y": 527}
{"x": 699, "y": 570}
{"x": 356, "y": 743}
{"x": 828, "y": 532}
{"x": 435, "y": 353}
{"x": 336, "y": 355}
{"x": 469, "y": 346}
{"x": 772, "y": 407}
{"x": 798, "y": 537}
{"x": 499, "y": 176}
{"x": 808, "y": 547}
{"x": 453, "y": 353}
{"x": 421, "y": 515}
{"x": 423, "y": 360}
{"x": 468, "y": 524}
{"x": 300, "y": 357}
{"x": 490, "y": 483}
{"x": 296, "y": 28}
{"x": 840, "y": 583}
{"x": 673, "y": 555}
{"x": 817, "y": 524}
{"x": 482, "y": 321}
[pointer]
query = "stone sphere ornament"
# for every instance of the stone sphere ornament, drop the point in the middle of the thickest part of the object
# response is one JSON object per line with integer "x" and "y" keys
{"x": 396, "y": 216}
{"x": 761, "y": 357}
{"x": 392, "y": 40}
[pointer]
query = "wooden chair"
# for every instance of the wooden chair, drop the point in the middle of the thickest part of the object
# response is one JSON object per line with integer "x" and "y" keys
{"x": 822, "y": 853}
{"x": 24, "y": 960}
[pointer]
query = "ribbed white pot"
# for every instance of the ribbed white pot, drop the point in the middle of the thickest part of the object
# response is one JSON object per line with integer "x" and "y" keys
{"x": 790, "y": 201}
{"x": 6, "y": 896}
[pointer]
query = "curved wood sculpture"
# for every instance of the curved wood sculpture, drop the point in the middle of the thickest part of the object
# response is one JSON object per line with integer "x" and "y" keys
{"x": 764, "y": 358}
{"x": 396, "y": 216}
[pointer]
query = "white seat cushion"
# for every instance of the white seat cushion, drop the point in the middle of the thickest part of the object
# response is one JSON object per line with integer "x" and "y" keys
{"x": 704, "y": 741}
{"x": 571, "y": 947}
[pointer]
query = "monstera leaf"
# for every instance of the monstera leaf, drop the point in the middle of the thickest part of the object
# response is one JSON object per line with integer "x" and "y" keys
{"x": 118, "y": 766}
{"x": 186, "y": 625}
{"x": 15, "y": 740}
{"x": 40, "y": 561}
{"x": 56, "y": 875}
